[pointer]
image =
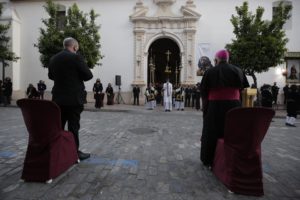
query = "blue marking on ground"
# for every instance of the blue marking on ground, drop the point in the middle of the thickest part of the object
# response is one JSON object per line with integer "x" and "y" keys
{"x": 7, "y": 154}
{"x": 103, "y": 161}
{"x": 266, "y": 167}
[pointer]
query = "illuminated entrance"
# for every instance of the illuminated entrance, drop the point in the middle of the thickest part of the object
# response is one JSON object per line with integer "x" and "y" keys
{"x": 163, "y": 62}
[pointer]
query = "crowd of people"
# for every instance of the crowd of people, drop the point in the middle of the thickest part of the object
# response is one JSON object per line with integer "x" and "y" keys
{"x": 99, "y": 95}
{"x": 36, "y": 93}
{"x": 291, "y": 100}
{"x": 177, "y": 96}
{"x": 269, "y": 95}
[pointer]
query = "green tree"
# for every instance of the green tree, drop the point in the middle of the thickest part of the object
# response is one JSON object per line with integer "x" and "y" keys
{"x": 78, "y": 25}
{"x": 259, "y": 44}
{"x": 5, "y": 53}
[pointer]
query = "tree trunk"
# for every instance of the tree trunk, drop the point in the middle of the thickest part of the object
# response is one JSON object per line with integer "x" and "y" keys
{"x": 3, "y": 69}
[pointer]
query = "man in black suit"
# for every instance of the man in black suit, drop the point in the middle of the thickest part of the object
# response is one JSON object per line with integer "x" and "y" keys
{"x": 41, "y": 86}
{"x": 68, "y": 70}
{"x": 136, "y": 93}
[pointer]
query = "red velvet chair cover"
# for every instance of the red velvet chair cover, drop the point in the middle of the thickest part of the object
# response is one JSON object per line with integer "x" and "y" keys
{"x": 50, "y": 150}
{"x": 237, "y": 161}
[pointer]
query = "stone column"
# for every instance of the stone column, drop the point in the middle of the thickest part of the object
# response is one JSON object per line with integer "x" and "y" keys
{"x": 139, "y": 58}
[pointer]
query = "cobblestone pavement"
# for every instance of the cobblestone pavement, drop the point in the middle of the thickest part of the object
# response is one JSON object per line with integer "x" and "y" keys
{"x": 144, "y": 155}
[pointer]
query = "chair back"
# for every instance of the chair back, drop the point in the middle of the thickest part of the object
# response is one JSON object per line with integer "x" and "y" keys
{"x": 42, "y": 119}
{"x": 245, "y": 128}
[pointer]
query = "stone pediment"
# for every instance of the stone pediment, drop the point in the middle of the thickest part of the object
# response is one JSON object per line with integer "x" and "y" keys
{"x": 189, "y": 12}
{"x": 140, "y": 10}
{"x": 164, "y": 12}
{"x": 164, "y": 8}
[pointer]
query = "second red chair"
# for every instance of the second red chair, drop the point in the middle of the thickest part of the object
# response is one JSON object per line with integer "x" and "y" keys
{"x": 237, "y": 160}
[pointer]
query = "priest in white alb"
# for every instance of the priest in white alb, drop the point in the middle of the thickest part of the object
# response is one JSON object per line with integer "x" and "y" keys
{"x": 168, "y": 89}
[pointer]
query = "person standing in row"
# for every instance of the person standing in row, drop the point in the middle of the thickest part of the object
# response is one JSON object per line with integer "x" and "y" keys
{"x": 110, "y": 94}
{"x": 266, "y": 96}
{"x": 285, "y": 93}
{"x": 41, "y": 88}
{"x": 168, "y": 92}
{"x": 150, "y": 97}
{"x": 291, "y": 106}
{"x": 179, "y": 98}
{"x": 275, "y": 90}
{"x": 136, "y": 94}
{"x": 98, "y": 96}
{"x": 188, "y": 94}
{"x": 197, "y": 93}
{"x": 220, "y": 89}
{"x": 7, "y": 91}
{"x": 68, "y": 70}
{"x": 31, "y": 92}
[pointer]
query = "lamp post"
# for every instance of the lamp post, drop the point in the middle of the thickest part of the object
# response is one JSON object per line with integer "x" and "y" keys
{"x": 152, "y": 70}
{"x": 179, "y": 72}
{"x": 176, "y": 73}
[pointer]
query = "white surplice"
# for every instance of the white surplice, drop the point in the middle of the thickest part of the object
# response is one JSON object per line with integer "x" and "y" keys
{"x": 168, "y": 89}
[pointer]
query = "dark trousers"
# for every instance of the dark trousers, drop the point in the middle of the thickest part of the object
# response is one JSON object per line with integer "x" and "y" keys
{"x": 136, "y": 100}
{"x": 187, "y": 101}
{"x": 193, "y": 102}
{"x": 41, "y": 93}
{"x": 6, "y": 100}
{"x": 291, "y": 108}
{"x": 198, "y": 106}
{"x": 71, "y": 114}
{"x": 98, "y": 100}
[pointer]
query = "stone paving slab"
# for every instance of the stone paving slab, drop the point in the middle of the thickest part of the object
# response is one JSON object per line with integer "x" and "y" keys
{"x": 141, "y": 154}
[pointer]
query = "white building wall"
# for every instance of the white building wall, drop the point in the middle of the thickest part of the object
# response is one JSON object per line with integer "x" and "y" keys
{"x": 15, "y": 47}
{"x": 117, "y": 38}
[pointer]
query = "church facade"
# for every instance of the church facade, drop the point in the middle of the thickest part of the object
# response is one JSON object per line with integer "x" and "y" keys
{"x": 143, "y": 41}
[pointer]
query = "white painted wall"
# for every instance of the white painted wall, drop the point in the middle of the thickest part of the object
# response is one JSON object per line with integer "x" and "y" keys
{"x": 214, "y": 30}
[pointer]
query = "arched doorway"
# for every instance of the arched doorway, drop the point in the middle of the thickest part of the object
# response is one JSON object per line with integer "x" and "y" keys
{"x": 163, "y": 61}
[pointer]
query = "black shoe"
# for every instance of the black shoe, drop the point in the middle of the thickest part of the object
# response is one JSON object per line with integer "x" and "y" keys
{"x": 83, "y": 156}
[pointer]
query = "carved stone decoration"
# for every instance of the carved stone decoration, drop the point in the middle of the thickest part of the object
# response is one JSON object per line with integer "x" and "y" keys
{"x": 164, "y": 7}
{"x": 165, "y": 24}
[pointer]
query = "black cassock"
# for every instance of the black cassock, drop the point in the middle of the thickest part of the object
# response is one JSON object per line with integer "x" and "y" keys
{"x": 216, "y": 87}
{"x": 292, "y": 102}
{"x": 110, "y": 95}
{"x": 98, "y": 95}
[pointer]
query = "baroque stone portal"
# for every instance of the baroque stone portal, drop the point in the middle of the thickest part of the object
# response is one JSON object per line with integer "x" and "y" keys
{"x": 165, "y": 24}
